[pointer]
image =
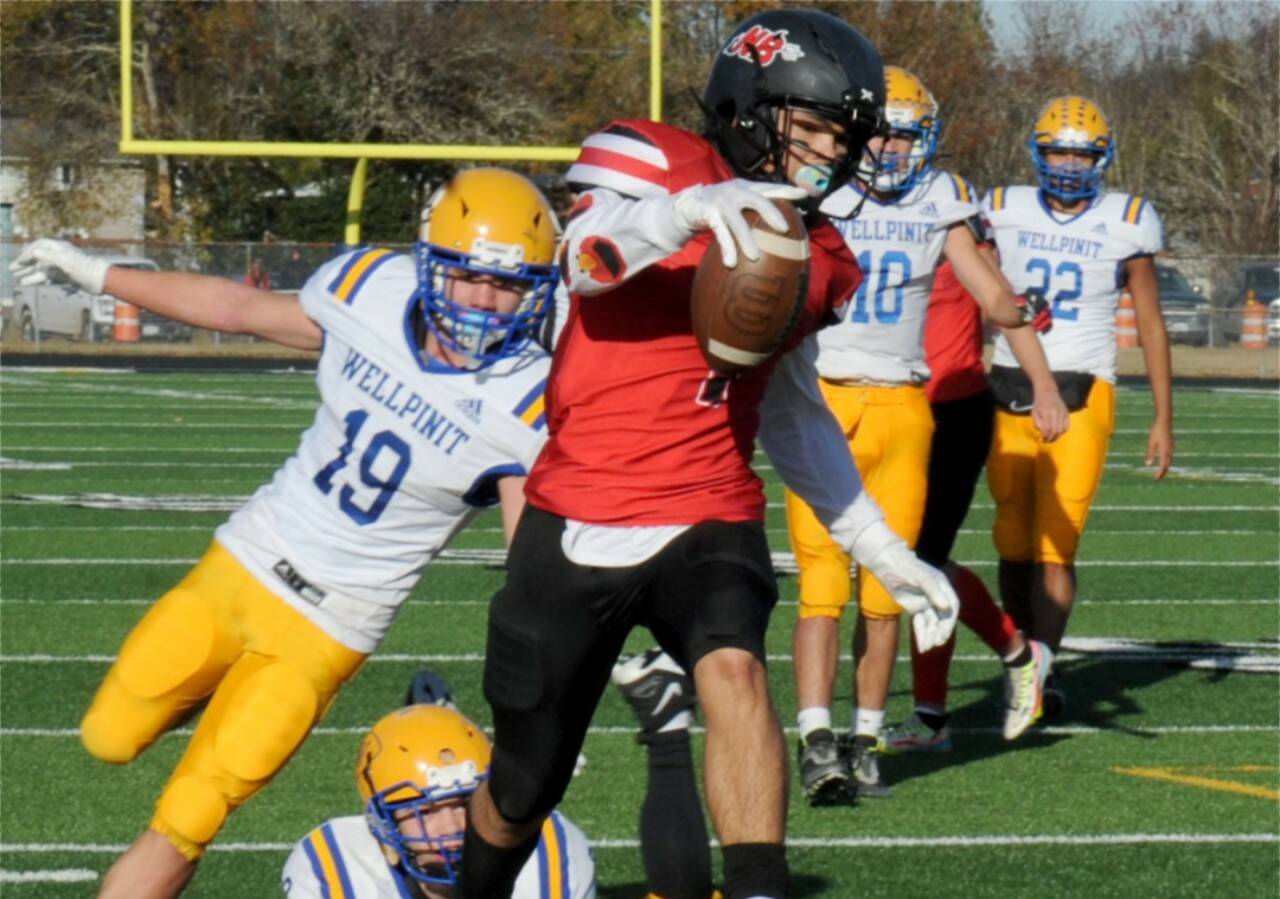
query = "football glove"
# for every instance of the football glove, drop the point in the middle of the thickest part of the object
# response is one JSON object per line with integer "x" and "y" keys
{"x": 922, "y": 590}
{"x": 429, "y": 688}
{"x": 35, "y": 262}
{"x": 1035, "y": 310}
{"x": 718, "y": 208}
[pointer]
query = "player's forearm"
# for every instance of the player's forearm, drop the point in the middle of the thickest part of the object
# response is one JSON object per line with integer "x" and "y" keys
{"x": 982, "y": 279}
{"x": 1028, "y": 351}
{"x": 216, "y": 304}
{"x": 1155, "y": 354}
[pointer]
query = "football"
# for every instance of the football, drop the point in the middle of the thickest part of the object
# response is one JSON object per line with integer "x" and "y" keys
{"x": 742, "y": 315}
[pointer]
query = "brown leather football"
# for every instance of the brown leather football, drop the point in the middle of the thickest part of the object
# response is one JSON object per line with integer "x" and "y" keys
{"x": 742, "y": 315}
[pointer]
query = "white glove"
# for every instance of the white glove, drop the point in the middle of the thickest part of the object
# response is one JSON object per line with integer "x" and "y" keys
{"x": 922, "y": 590}
{"x": 718, "y": 208}
{"x": 34, "y": 263}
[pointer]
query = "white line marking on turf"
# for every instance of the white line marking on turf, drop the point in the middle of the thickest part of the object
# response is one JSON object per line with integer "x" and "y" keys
{"x": 59, "y": 875}
{"x": 929, "y": 842}
{"x": 424, "y": 602}
{"x": 1255, "y": 656}
{"x": 132, "y": 425}
{"x": 784, "y": 562}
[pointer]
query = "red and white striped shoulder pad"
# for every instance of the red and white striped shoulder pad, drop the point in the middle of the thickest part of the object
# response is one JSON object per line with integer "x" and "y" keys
{"x": 639, "y": 158}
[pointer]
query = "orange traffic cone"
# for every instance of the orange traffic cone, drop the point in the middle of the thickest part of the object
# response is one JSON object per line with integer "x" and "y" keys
{"x": 1126, "y": 323}
{"x": 1253, "y": 324}
{"x": 127, "y": 327}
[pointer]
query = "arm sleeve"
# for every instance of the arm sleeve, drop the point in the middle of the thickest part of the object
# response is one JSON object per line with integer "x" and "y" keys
{"x": 807, "y": 448}
{"x": 613, "y": 238}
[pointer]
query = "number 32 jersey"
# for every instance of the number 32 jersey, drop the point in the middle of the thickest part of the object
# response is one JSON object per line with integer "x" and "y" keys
{"x": 402, "y": 453}
{"x": 898, "y": 246}
{"x": 1078, "y": 261}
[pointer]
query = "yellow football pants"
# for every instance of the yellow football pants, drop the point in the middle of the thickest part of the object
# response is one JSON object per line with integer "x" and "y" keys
{"x": 267, "y": 672}
{"x": 1043, "y": 491}
{"x": 889, "y": 430}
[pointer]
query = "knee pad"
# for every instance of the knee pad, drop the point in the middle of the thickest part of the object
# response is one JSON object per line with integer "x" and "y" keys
{"x": 168, "y": 648}
{"x": 111, "y": 730}
{"x": 190, "y": 813}
{"x": 526, "y": 786}
{"x": 265, "y": 719}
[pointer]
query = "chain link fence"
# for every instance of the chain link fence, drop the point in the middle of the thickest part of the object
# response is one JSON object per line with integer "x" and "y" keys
{"x": 1204, "y": 297}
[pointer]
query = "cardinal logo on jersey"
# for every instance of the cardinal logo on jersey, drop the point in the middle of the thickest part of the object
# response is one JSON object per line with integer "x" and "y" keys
{"x": 763, "y": 45}
{"x": 601, "y": 259}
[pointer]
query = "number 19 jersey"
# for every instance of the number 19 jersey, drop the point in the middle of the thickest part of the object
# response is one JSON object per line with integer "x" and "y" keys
{"x": 1078, "y": 261}
{"x": 898, "y": 246}
{"x": 402, "y": 453}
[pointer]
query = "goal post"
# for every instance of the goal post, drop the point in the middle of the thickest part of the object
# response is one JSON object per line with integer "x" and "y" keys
{"x": 129, "y": 144}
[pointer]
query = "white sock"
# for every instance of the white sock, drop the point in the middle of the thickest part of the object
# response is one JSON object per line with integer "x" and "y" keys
{"x": 813, "y": 718}
{"x": 867, "y": 722}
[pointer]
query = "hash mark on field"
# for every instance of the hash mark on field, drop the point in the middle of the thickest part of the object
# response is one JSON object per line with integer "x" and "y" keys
{"x": 59, "y": 875}
{"x": 1177, "y": 776}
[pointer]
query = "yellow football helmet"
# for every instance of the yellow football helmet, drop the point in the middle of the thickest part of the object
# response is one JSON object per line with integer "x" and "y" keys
{"x": 412, "y": 759}
{"x": 488, "y": 222}
{"x": 1071, "y": 123}
{"x": 910, "y": 108}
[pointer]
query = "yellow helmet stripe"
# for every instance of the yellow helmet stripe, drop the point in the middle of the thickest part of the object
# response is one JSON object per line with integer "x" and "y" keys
{"x": 553, "y": 861}
{"x": 326, "y": 862}
{"x": 1133, "y": 210}
{"x": 356, "y": 272}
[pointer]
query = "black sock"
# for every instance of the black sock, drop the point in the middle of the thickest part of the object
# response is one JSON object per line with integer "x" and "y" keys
{"x": 936, "y": 720}
{"x": 756, "y": 869}
{"x": 673, "y": 831}
{"x": 489, "y": 872}
{"x": 1021, "y": 658}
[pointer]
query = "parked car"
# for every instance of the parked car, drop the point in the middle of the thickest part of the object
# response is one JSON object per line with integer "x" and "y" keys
{"x": 1263, "y": 278}
{"x": 59, "y": 307}
{"x": 1186, "y": 311}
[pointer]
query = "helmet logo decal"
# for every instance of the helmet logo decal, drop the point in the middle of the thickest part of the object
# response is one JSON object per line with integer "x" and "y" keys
{"x": 767, "y": 45}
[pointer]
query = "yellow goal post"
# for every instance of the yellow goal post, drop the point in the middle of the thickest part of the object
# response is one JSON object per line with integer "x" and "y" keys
{"x": 131, "y": 145}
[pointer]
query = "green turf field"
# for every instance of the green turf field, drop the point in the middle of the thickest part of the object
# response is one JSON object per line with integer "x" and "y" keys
{"x": 1161, "y": 779}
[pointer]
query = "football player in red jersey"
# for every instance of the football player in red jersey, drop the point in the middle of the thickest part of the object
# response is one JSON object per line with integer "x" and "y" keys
{"x": 643, "y": 508}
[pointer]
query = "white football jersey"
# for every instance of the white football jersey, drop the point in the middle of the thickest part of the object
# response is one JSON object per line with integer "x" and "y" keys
{"x": 402, "y": 453}
{"x": 341, "y": 858}
{"x": 898, "y": 246}
{"x": 1078, "y": 261}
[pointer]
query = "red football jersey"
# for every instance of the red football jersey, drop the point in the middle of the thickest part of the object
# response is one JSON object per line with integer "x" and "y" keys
{"x": 641, "y": 431}
{"x": 953, "y": 340}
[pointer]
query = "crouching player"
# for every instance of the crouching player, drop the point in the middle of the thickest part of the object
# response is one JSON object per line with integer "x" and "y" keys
{"x": 432, "y": 399}
{"x": 414, "y": 772}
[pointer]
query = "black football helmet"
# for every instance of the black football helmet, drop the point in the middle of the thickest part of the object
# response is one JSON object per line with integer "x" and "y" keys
{"x": 792, "y": 59}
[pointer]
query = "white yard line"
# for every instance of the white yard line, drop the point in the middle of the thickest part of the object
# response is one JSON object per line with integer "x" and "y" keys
{"x": 799, "y": 842}
{"x": 56, "y": 875}
{"x": 784, "y": 562}
{"x": 424, "y": 602}
{"x": 630, "y": 731}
